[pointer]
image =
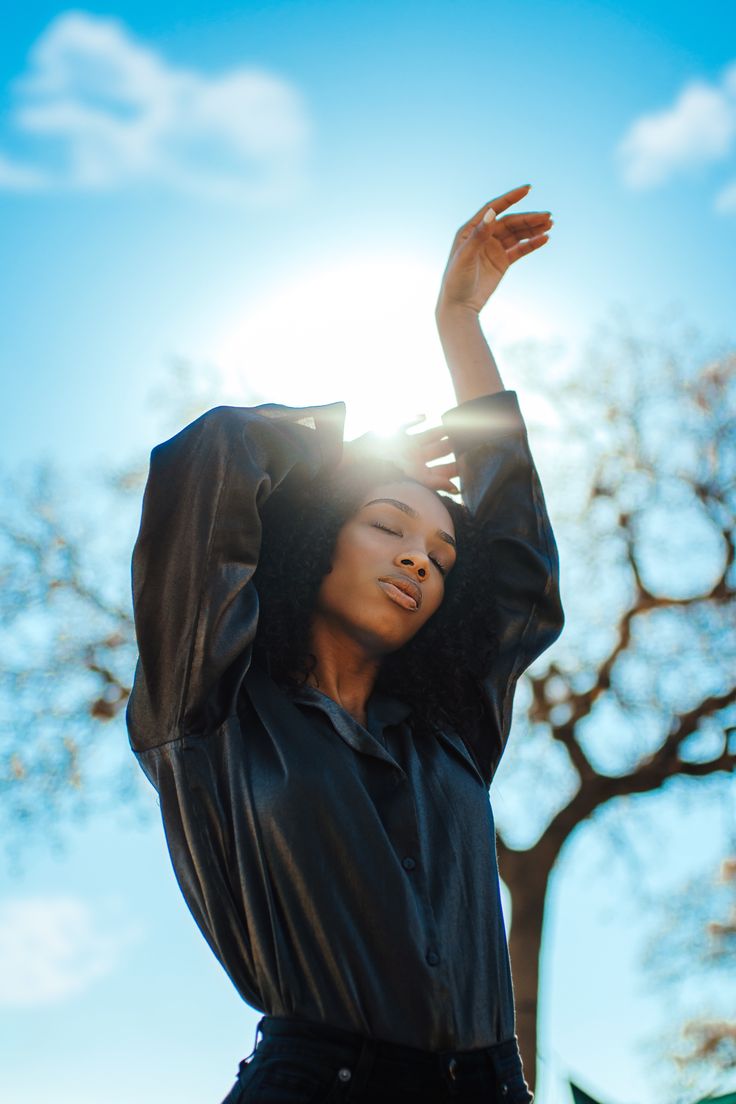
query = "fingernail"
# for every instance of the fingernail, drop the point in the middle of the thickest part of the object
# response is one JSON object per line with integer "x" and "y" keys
{"x": 490, "y": 215}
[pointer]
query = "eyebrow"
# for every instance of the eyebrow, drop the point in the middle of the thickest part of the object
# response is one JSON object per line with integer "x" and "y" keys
{"x": 411, "y": 512}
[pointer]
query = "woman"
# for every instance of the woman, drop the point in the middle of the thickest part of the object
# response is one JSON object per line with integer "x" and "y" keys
{"x": 328, "y": 654}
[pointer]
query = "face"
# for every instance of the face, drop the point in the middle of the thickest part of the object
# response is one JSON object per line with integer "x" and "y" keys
{"x": 389, "y": 567}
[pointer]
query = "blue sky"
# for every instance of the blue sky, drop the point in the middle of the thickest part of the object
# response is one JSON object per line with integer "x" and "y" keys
{"x": 271, "y": 190}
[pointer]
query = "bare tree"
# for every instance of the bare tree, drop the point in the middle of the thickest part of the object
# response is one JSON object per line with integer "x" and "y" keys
{"x": 640, "y": 689}
{"x": 68, "y": 644}
{"x": 640, "y": 476}
{"x": 67, "y": 654}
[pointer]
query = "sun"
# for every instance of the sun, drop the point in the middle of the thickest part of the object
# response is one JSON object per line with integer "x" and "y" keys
{"x": 359, "y": 329}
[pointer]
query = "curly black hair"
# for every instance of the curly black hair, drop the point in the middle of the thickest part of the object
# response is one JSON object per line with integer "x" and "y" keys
{"x": 437, "y": 673}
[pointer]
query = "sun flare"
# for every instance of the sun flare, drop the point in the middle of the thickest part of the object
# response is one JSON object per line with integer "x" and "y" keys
{"x": 362, "y": 330}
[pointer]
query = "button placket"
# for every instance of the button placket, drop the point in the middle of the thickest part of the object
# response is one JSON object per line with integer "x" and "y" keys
{"x": 407, "y": 841}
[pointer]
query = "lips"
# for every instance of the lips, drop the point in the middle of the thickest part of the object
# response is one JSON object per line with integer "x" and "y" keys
{"x": 409, "y": 593}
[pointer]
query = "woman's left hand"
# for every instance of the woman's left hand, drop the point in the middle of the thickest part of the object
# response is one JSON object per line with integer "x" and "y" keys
{"x": 483, "y": 251}
{"x": 412, "y": 452}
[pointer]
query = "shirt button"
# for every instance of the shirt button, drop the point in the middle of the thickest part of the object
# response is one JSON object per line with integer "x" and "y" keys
{"x": 408, "y": 863}
{"x": 432, "y": 958}
{"x": 344, "y": 1074}
{"x": 504, "y": 1089}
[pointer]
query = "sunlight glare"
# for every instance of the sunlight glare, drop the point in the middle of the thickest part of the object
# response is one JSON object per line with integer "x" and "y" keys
{"x": 361, "y": 330}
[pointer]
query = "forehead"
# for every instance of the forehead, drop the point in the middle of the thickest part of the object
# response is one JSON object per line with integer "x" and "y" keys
{"x": 426, "y": 503}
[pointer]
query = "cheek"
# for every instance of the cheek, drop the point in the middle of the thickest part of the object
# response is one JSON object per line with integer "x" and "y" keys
{"x": 352, "y": 568}
{"x": 355, "y": 555}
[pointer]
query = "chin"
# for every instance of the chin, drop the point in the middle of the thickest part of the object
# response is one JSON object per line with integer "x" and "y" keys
{"x": 380, "y": 638}
{"x": 379, "y": 628}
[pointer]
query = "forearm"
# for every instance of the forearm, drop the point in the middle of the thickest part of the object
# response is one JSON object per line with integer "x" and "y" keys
{"x": 198, "y": 547}
{"x": 472, "y": 367}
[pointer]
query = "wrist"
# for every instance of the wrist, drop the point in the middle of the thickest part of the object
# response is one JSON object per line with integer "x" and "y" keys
{"x": 453, "y": 313}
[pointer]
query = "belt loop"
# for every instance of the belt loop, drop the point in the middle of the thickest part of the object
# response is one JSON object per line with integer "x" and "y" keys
{"x": 363, "y": 1067}
{"x": 245, "y": 1061}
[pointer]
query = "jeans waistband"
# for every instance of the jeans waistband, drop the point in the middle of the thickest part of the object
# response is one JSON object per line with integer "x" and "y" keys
{"x": 503, "y": 1055}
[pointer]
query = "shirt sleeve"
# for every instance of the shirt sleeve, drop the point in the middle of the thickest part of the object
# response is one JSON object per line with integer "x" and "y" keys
{"x": 500, "y": 486}
{"x": 195, "y": 607}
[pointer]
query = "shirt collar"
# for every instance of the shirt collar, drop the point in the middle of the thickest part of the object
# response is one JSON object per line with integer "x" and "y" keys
{"x": 383, "y": 709}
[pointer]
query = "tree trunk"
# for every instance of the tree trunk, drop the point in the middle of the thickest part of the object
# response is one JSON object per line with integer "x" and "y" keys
{"x": 526, "y": 874}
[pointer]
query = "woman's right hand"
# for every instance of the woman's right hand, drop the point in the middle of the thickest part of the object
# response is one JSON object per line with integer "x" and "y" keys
{"x": 483, "y": 251}
{"x": 412, "y": 452}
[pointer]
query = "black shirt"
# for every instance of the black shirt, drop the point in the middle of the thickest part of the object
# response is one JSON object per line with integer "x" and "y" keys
{"x": 342, "y": 874}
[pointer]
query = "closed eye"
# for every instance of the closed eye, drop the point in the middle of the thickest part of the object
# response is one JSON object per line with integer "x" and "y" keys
{"x": 438, "y": 565}
{"x": 396, "y": 533}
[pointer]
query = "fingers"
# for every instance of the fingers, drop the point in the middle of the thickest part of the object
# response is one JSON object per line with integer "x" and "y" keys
{"x": 510, "y": 229}
{"x": 525, "y": 247}
{"x": 443, "y": 485}
{"x": 436, "y": 452}
{"x": 439, "y": 477}
{"x": 438, "y": 484}
{"x": 503, "y": 202}
{"x": 500, "y": 204}
{"x": 434, "y": 448}
{"x": 519, "y": 234}
{"x": 430, "y": 440}
{"x": 429, "y": 434}
{"x": 525, "y": 218}
{"x": 414, "y": 421}
{"x": 446, "y": 471}
{"x": 515, "y": 227}
{"x": 412, "y": 452}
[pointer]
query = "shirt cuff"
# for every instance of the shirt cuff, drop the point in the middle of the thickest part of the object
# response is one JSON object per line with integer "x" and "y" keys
{"x": 482, "y": 420}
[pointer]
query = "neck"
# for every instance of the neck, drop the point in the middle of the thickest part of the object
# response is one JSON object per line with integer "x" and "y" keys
{"x": 345, "y": 671}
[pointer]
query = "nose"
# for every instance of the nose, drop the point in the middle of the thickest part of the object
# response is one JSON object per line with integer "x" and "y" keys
{"x": 417, "y": 562}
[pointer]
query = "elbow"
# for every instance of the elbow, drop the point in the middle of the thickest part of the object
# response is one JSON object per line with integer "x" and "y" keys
{"x": 552, "y": 611}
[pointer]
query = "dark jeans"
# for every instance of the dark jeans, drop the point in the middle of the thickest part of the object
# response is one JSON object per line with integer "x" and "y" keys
{"x": 297, "y": 1062}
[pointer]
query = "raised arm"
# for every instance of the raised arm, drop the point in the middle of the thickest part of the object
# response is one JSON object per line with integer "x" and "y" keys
{"x": 499, "y": 481}
{"x": 483, "y": 250}
{"x": 195, "y": 608}
{"x": 501, "y": 487}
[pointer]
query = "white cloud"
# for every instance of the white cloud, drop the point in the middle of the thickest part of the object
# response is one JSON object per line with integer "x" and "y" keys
{"x": 106, "y": 111}
{"x": 698, "y": 128}
{"x": 53, "y": 947}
